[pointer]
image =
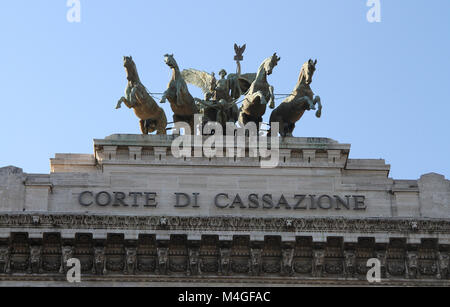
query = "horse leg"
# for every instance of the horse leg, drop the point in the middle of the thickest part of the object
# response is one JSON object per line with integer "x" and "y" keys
{"x": 258, "y": 124}
{"x": 175, "y": 120}
{"x": 319, "y": 111}
{"x": 119, "y": 103}
{"x": 310, "y": 103}
{"x": 143, "y": 125}
{"x": 290, "y": 129}
{"x": 164, "y": 97}
{"x": 161, "y": 128}
{"x": 243, "y": 119}
{"x": 183, "y": 119}
{"x": 272, "y": 97}
{"x": 162, "y": 123}
{"x": 129, "y": 103}
{"x": 280, "y": 123}
{"x": 283, "y": 128}
{"x": 192, "y": 125}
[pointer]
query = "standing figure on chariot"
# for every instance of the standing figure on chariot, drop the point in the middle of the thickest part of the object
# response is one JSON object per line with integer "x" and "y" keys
{"x": 221, "y": 95}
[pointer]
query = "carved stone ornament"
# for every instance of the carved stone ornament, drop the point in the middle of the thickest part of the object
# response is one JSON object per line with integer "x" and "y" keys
{"x": 194, "y": 262}
{"x": 444, "y": 262}
{"x": 5, "y": 259}
{"x": 99, "y": 267}
{"x": 67, "y": 253}
{"x": 318, "y": 263}
{"x": 224, "y": 261}
{"x": 130, "y": 260}
{"x": 35, "y": 266}
{"x": 286, "y": 263}
{"x": 350, "y": 263}
{"x": 412, "y": 265}
{"x": 256, "y": 261}
{"x": 163, "y": 260}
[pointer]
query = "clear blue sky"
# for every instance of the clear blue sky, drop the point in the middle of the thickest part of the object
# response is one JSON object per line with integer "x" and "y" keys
{"x": 385, "y": 86}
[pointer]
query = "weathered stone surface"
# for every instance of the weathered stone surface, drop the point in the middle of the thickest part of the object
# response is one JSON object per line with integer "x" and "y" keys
{"x": 434, "y": 195}
{"x": 12, "y": 189}
{"x": 326, "y": 172}
{"x": 130, "y": 199}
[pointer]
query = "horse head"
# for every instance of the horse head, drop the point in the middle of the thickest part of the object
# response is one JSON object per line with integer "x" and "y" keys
{"x": 170, "y": 61}
{"x": 308, "y": 70}
{"x": 270, "y": 63}
{"x": 130, "y": 68}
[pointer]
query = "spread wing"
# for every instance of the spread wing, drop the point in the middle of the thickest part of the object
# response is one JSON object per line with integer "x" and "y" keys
{"x": 249, "y": 77}
{"x": 198, "y": 78}
{"x": 245, "y": 80}
{"x": 239, "y": 50}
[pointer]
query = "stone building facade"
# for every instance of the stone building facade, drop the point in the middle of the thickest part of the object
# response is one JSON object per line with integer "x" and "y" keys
{"x": 135, "y": 215}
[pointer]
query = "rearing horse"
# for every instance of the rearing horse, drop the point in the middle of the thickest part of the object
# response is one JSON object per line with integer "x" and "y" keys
{"x": 182, "y": 103}
{"x": 152, "y": 117}
{"x": 294, "y": 106}
{"x": 259, "y": 95}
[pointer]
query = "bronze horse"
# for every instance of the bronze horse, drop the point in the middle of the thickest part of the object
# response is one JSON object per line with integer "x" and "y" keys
{"x": 302, "y": 99}
{"x": 152, "y": 117}
{"x": 181, "y": 101}
{"x": 259, "y": 95}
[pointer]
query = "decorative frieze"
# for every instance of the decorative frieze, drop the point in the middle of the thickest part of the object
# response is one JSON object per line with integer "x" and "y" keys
{"x": 239, "y": 258}
{"x": 224, "y": 224}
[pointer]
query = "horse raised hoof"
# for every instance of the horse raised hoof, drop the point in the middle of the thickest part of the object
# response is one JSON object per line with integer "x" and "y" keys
{"x": 319, "y": 113}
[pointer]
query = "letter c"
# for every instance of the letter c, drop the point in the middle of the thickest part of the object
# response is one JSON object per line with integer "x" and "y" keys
{"x": 217, "y": 198}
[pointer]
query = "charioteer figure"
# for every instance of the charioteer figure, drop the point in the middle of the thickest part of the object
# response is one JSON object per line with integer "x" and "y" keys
{"x": 220, "y": 103}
